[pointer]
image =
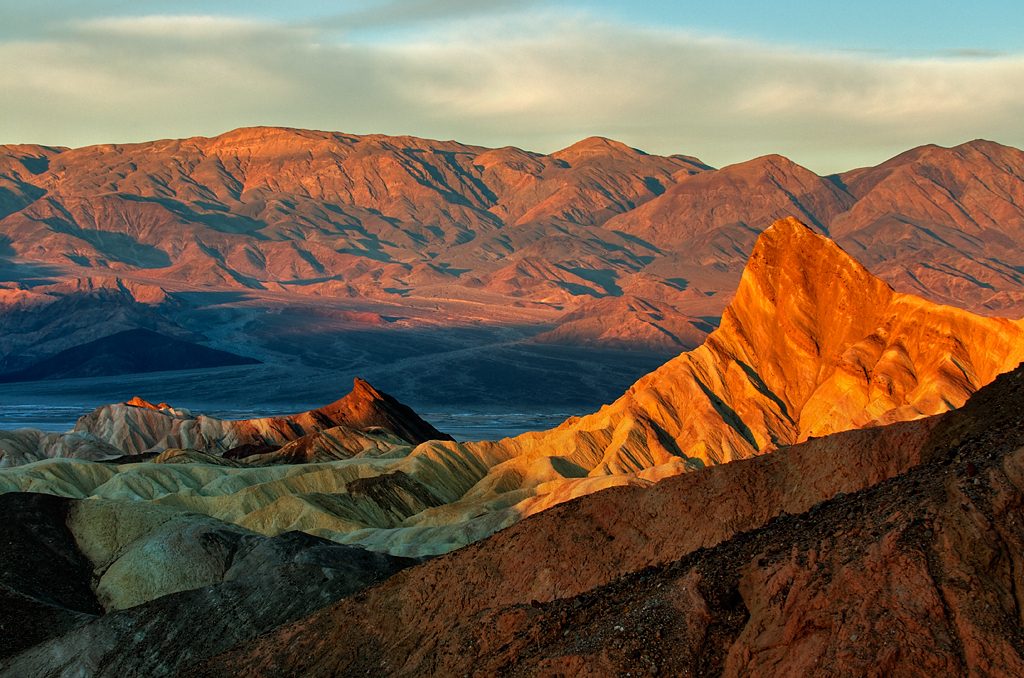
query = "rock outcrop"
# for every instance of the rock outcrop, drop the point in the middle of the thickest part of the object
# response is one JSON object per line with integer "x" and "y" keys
{"x": 138, "y": 428}
{"x": 893, "y": 550}
{"x": 811, "y": 344}
{"x": 25, "y": 446}
{"x": 366, "y": 421}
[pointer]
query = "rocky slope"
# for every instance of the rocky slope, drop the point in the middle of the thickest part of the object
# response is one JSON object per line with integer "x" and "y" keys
{"x": 812, "y": 344}
{"x": 110, "y": 574}
{"x": 810, "y": 561}
{"x": 518, "y": 239}
{"x": 364, "y": 421}
{"x": 943, "y": 222}
{"x": 138, "y": 426}
{"x": 240, "y": 204}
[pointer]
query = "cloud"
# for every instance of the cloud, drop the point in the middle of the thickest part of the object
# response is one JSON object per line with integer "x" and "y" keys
{"x": 404, "y": 13}
{"x": 164, "y": 26}
{"x": 539, "y": 79}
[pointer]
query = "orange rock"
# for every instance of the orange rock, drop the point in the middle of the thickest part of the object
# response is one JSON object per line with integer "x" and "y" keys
{"x": 807, "y": 561}
{"x": 139, "y": 426}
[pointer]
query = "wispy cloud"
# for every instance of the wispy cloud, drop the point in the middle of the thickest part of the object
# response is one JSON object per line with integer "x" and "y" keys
{"x": 163, "y": 26}
{"x": 404, "y": 13}
{"x": 538, "y": 78}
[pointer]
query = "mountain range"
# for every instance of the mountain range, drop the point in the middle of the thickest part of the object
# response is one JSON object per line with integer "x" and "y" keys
{"x": 809, "y": 460}
{"x": 295, "y": 247}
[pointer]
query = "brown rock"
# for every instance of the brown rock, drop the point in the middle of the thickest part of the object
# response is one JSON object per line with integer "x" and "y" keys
{"x": 892, "y": 576}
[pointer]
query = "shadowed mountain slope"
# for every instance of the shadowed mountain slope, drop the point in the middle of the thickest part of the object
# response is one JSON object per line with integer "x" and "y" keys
{"x": 127, "y": 352}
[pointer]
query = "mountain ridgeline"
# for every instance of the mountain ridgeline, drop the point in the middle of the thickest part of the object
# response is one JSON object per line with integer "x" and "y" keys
{"x": 598, "y": 244}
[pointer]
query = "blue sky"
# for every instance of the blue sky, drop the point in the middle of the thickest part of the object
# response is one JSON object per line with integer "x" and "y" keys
{"x": 907, "y": 27}
{"x": 902, "y": 27}
{"x": 832, "y": 85}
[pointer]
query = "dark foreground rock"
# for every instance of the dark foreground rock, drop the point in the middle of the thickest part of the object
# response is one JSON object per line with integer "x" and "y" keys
{"x": 263, "y": 582}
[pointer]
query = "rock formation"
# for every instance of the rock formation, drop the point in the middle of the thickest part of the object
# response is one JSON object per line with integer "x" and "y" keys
{"x": 365, "y": 420}
{"x": 894, "y": 550}
{"x": 812, "y": 344}
{"x": 93, "y": 576}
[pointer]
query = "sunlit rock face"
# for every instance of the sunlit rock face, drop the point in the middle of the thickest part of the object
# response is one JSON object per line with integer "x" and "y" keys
{"x": 886, "y": 549}
{"x": 812, "y": 344}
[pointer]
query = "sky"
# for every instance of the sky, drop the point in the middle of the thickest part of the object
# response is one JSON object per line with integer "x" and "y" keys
{"x": 831, "y": 85}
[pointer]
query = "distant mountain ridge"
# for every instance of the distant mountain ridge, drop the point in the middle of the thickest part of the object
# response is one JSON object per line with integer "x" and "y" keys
{"x": 406, "y": 220}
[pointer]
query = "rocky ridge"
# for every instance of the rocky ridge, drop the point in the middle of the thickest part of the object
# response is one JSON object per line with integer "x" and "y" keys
{"x": 823, "y": 557}
{"x": 365, "y": 420}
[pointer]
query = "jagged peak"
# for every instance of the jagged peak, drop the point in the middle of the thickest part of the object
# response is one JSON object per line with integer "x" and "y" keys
{"x": 365, "y": 406}
{"x": 785, "y": 229}
{"x": 363, "y": 389}
{"x": 789, "y": 253}
{"x": 801, "y": 302}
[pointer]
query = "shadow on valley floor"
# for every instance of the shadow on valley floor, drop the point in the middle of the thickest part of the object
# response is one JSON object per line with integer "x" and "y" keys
{"x": 213, "y": 297}
{"x": 29, "y": 274}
